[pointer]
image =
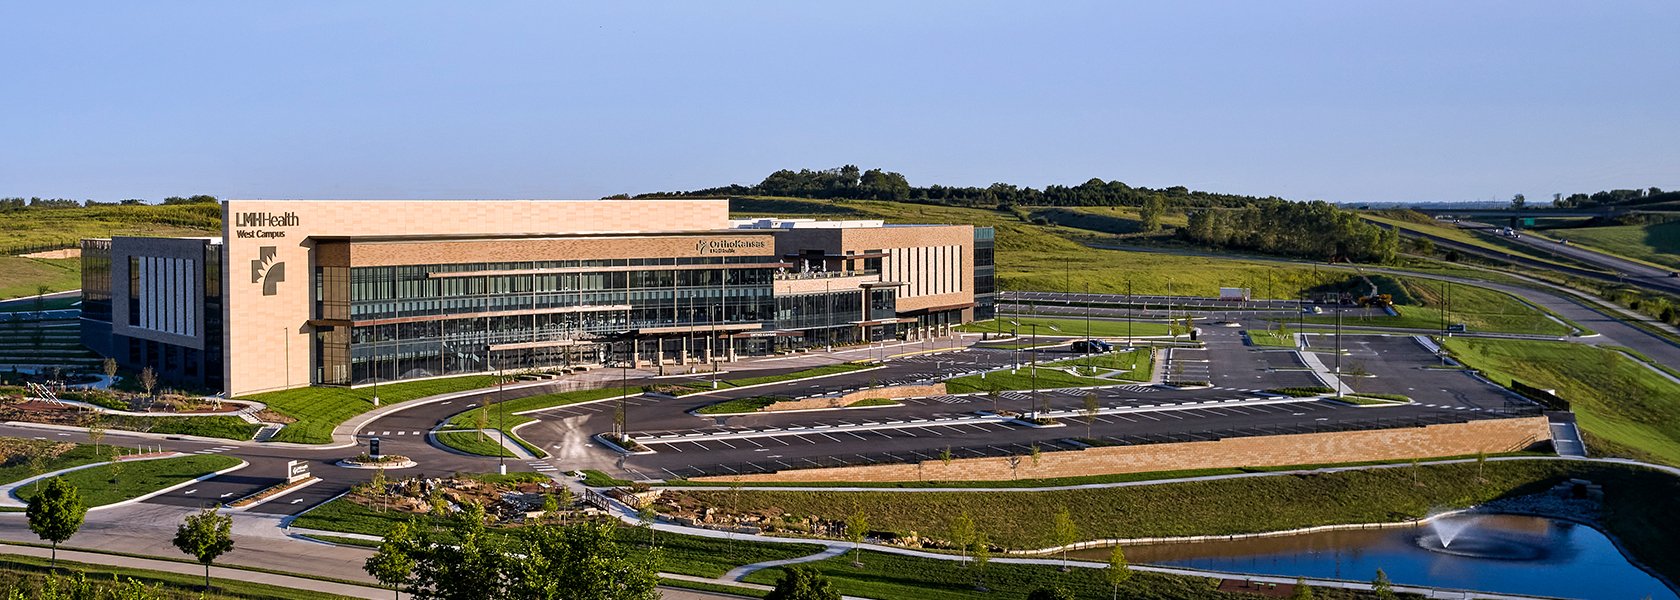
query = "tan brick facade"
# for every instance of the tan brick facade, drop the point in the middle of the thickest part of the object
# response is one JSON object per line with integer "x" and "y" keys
{"x": 269, "y": 344}
{"x": 1502, "y": 435}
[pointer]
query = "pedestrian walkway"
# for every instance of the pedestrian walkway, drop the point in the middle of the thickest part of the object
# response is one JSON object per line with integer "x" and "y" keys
{"x": 196, "y": 570}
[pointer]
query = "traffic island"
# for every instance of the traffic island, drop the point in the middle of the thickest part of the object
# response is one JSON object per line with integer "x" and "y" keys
{"x": 387, "y": 461}
{"x": 622, "y": 444}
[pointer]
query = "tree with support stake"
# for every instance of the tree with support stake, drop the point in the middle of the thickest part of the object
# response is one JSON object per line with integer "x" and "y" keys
{"x": 56, "y": 513}
{"x": 205, "y": 536}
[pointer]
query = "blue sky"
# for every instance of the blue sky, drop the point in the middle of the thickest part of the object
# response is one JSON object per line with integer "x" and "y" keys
{"x": 1343, "y": 101}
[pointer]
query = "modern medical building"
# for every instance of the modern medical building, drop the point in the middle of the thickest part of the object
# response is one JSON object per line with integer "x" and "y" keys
{"x": 339, "y": 292}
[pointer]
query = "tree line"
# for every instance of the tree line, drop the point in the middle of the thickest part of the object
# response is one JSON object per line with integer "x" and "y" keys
{"x": 18, "y": 203}
{"x": 851, "y": 183}
{"x": 1313, "y": 230}
{"x": 1651, "y": 195}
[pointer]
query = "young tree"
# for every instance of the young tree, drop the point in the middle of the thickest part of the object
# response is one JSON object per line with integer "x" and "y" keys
{"x": 109, "y": 366}
{"x": 56, "y": 513}
{"x": 377, "y": 487}
{"x": 1150, "y": 213}
{"x": 551, "y": 508}
{"x": 1481, "y": 463}
{"x": 1036, "y": 455}
{"x": 393, "y": 563}
{"x": 857, "y": 528}
{"x": 1091, "y": 408}
{"x": 1119, "y": 571}
{"x": 646, "y": 515}
{"x": 95, "y": 431}
{"x": 148, "y": 380}
{"x": 205, "y": 536}
{"x": 982, "y": 557}
{"x": 962, "y": 532}
{"x": 995, "y": 393}
{"x": 481, "y": 420}
{"x": 803, "y": 583}
{"x": 1014, "y": 465}
{"x": 1065, "y": 533}
{"x": 1382, "y": 587}
{"x": 1302, "y": 590}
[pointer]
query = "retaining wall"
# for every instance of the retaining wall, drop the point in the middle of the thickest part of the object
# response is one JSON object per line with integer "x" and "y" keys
{"x": 1491, "y": 436}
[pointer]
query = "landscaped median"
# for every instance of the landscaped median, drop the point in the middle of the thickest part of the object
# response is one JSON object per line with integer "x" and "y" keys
{"x": 1023, "y": 379}
{"x": 697, "y": 387}
{"x": 462, "y": 431}
{"x": 129, "y": 479}
{"x": 315, "y": 411}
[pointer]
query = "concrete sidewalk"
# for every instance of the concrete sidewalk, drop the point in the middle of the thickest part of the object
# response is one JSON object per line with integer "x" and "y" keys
{"x": 195, "y": 570}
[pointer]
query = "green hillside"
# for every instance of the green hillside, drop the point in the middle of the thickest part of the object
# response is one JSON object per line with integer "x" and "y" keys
{"x": 31, "y": 229}
{"x": 1043, "y": 256}
{"x": 1658, "y": 243}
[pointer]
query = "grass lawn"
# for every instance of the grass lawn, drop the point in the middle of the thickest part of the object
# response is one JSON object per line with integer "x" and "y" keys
{"x": 23, "y": 276}
{"x": 1021, "y": 520}
{"x": 225, "y": 427}
{"x": 1134, "y": 366}
{"x": 1048, "y": 378}
{"x": 1068, "y": 326}
{"x": 1622, "y": 407}
{"x": 137, "y": 478}
{"x": 473, "y": 442}
{"x": 319, "y": 409}
{"x": 1272, "y": 338}
{"x": 16, "y": 465}
{"x": 494, "y": 412}
{"x": 28, "y": 574}
{"x": 739, "y": 405}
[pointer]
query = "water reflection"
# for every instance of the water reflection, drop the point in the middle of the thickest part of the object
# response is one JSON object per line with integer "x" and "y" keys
{"x": 1491, "y": 553}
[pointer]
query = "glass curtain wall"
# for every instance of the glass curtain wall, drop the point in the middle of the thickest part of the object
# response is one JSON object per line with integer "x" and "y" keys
{"x": 440, "y": 319}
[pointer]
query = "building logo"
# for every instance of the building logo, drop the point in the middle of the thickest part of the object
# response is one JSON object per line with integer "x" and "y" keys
{"x": 267, "y": 270}
{"x": 250, "y": 224}
{"x": 727, "y": 246}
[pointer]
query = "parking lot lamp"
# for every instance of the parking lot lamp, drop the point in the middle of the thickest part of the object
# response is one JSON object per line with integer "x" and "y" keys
{"x": 501, "y": 416}
{"x": 1338, "y": 352}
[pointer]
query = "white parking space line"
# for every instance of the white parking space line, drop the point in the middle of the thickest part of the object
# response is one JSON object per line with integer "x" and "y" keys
{"x": 830, "y": 437}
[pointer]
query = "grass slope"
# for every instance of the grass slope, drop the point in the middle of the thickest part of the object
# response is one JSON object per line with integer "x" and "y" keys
{"x": 1066, "y": 326}
{"x": 1659, "y": 243}
{"x": 1623, "y": 408}
{"x": 319, "y": 409}
{"x": 1037, "y": 257}
{"x": 1480, "y": 309}
{"x": 21, "y": 276}
{"x": 17, "y": 466}
{"x": 109, "y": 484}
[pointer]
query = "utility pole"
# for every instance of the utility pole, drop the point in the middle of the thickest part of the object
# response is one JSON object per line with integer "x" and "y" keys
{"x": 1087, "y": 317}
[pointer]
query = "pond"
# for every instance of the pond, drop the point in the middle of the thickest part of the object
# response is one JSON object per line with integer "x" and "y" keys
{"x": 1488, "y": 553}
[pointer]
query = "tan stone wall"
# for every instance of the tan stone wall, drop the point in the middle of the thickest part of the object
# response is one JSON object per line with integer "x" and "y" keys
{"x": 901, "y": 391}
{"x": 269, "y": 345}
{"x": 1490, "y": 436}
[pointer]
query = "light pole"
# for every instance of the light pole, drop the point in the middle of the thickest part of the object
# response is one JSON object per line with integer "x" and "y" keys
{"x": 1129, "y": 308}
{"x": 1338, "y": 352}
{"x": 501, "y": 416}
{"x": 1033, "y": 367}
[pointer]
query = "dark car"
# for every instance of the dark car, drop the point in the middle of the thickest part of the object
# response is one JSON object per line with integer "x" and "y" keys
{"x": 1092, "y": 346}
